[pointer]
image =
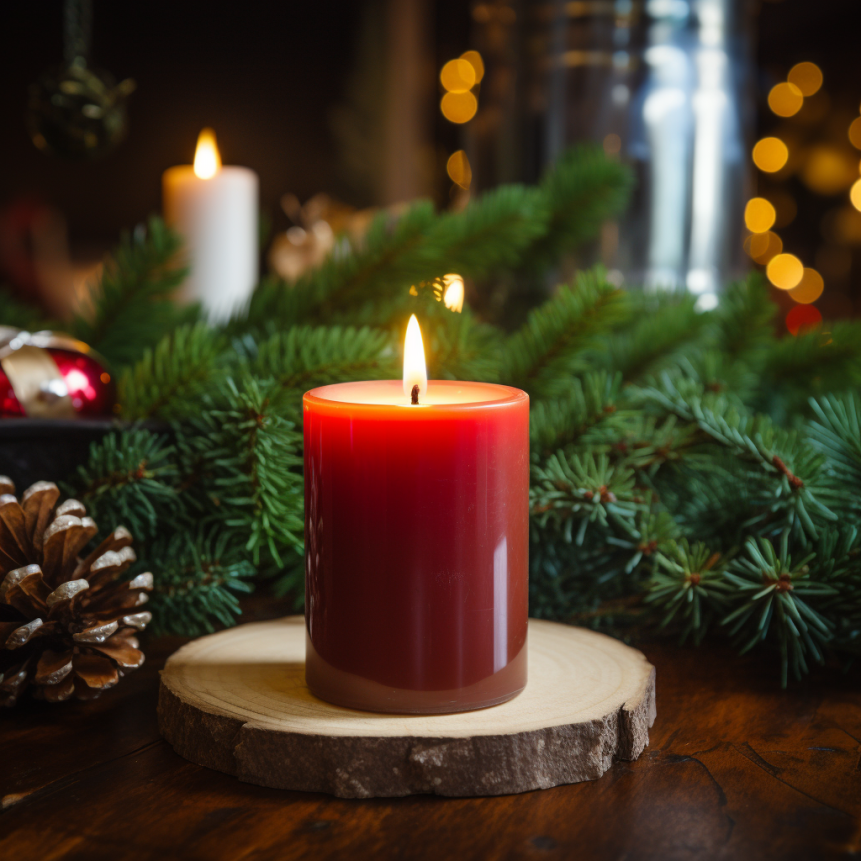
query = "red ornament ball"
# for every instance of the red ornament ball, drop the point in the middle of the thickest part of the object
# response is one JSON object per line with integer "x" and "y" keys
{"x": 803, "y": 318}
{"x": 81, "y": 385}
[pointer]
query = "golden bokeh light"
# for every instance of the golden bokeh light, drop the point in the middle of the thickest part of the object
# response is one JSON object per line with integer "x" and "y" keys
{"x": 855, "y": 133}
{"x": 770, "y": 154}
{"x": 759, "y": 215}
{"x": 855, "y": 194}
{"x": 454, "y": 292}
{"x": 785, "y": 99}
{"x": 458, "y": 107}
{"x": 763, "y": 246}
{"x": 474, "y": 60}
{"x": 459, "y": 170}
{"x": 457, "y": 76}
{"x": 807, "y": 77}
{"x": 828, "y": 169}
{"x": 844, "y": 226}
{"x": 810, "y": 287}
{"x": 785, "y": 271}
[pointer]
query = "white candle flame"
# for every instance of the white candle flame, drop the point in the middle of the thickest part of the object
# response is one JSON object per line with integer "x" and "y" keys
{"x": 415, "y": 371}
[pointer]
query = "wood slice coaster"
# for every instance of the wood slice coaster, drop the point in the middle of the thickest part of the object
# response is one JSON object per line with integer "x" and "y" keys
{"x": 237, "y": 702}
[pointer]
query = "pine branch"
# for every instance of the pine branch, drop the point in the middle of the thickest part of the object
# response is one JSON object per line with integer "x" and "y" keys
{"x": 393, "y": 258}
{"x": 796, "y": 488}
{"x": 661, "y": 437}
{"x": 591, "y": 401}
{"x": 837, "y": 433}
{"x": 170, "y": 378}
{"x": 812, "y": 364}
{"x": 689, "y": 587}
{"x": 132, "y": 303}
{"x": 489, "y": 234}
{"x": 777, "y": 595}
{"x": 745, "y": 319}
{"x": 647, "y": 443}
{"x": 582, "y": 190}
{"x": 305, "y": 357}
{"x": 665, "y": 330}
{"x": 460, "y": 347}
{"x": 586, "y": 490}
{"x": 241, "y": 461}
{"x": 552, "y": 345}
{"x": 198, "y": 578}
{"x": 129, "y": 480}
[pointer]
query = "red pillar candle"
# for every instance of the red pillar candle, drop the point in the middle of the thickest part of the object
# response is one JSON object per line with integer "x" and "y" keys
{"x": 416, "y": 545}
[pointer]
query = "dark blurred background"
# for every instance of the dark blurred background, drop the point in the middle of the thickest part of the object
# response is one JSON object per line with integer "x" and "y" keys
{"x": 344, "y": 98}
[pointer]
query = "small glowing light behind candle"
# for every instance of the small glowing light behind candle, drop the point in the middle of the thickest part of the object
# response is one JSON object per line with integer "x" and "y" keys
{"x": 453, "y": 297}
{"x": 207, "y": 159}
{"x": 415, "y": 371}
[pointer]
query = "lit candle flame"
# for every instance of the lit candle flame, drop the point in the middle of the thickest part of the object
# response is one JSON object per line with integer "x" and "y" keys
{"x": 207, "y": 160}
{"x": 415, "y": 371}
{"x": 453, "y": 297}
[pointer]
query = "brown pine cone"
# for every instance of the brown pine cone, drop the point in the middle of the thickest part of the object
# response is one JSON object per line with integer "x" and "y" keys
{"x": 67, "y": 624}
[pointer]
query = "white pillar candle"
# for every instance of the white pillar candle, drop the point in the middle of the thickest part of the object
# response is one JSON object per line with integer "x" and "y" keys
{"x": 214, "y": 209}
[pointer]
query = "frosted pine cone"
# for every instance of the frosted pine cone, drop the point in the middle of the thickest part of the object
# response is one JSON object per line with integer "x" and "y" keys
{"x": 67, "y": 624}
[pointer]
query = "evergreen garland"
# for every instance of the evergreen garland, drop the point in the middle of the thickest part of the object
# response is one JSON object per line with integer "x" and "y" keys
{"x": 689, "y": 469}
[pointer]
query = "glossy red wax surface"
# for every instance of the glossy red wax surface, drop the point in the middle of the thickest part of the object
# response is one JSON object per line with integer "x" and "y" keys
{"x": 416, "y": 537}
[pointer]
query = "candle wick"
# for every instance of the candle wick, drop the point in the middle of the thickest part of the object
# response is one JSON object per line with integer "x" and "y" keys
{"x": 415, "y": 394}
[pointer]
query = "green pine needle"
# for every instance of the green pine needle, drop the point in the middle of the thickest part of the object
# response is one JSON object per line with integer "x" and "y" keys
{"x": 133, "y": 307}
{"x": 129, "y": 480}
{"x": 170, "y": 378}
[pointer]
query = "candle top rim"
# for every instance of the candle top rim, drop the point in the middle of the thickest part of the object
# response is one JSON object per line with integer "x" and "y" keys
{"x": 441, "y": 394}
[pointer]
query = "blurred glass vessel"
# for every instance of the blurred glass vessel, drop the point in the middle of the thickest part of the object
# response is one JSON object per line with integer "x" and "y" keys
{"x": 663, "y": 85}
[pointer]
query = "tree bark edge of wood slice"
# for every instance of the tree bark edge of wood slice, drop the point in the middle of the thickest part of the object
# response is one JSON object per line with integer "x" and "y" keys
{"x": 236, "y": 701}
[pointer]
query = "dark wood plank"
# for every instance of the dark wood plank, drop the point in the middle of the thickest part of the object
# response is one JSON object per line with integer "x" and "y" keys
{"x": 736, "y": 769}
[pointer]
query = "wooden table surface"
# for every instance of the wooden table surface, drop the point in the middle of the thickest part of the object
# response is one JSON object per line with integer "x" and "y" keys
{"x": 736, "y": 769}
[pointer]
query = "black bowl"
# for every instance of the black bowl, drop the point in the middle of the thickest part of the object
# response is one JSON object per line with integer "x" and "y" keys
{"x": 47, "y": 449}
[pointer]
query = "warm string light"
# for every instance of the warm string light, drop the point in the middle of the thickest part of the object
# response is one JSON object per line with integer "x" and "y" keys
{"x": 457, "y": 76}
{"x": 460, "y": 78}
{"x": 809, "y": 289}
{"x": 855, "y": 133}
{"x": 785, "y": 271}
{"x": 454, "y": 292}
{"x": 807, "y": 77}
{"x": 855, "y": 194}
{"x": 823, "y": 171}
{"x": 770, "y": 154}
{"x": 459, "y": 169}
{"x": 763, "y": 246}
{"x": 459, "y": 108}
{"x": 785, "y": 100}
{"x": 759, "y": 215}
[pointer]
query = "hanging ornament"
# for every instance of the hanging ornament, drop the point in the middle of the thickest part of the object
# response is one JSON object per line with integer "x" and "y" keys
{"x": 77, "y": 110}
{"x": 53, "y": 376}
